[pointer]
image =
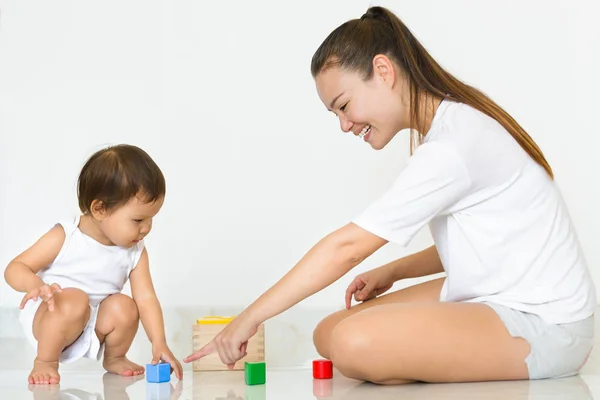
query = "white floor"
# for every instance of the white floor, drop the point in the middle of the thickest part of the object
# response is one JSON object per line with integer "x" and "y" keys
{"x": 288, "y": 384}
{"x": 284, "y": 384}
{"x": 289, "y": 348}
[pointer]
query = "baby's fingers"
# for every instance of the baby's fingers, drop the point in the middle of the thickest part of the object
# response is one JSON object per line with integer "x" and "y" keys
{"x": 49, "y": 299}
{"x": 177, "y": 368}
{"x": 45, "y": 292}
{"x": 50, "y": 303}
{"x": 55, "y": 288}
{"x": 31, "y": 295}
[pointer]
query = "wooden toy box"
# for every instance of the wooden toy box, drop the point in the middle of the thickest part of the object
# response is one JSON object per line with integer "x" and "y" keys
{"x": 207, "y": 328}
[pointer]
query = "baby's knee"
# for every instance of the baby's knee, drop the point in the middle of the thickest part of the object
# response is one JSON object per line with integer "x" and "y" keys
{"x": 122, "y": 308}
{"x": 72, "y": 305}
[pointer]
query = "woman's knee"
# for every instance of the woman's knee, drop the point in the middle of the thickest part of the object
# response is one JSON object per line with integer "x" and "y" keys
{"x": 323, "y": 331}
{"x": 348, "y": 348}
{"x": 121, "y": 308}
{"x": 344, "y": 348}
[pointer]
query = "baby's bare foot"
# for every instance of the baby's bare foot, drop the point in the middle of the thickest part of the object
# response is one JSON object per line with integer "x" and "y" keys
{"x": 44, "y": 372}
{"x": 122, "y": 366}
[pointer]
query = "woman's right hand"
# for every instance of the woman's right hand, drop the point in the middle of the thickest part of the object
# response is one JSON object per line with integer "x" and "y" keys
{"x": 46, "y": 292}
{"x": 231, "y": 343}
{"x": 370, "y": 284}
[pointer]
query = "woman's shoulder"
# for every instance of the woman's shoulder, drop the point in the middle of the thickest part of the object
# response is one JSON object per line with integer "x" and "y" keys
{"x": 461, "y": 118}
{"x": 470, "y": 131}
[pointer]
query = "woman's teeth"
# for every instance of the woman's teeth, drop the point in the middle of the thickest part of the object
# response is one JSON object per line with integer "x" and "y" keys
{"x": 364, "y": 131}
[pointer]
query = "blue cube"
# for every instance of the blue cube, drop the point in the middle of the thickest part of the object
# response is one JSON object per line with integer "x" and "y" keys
{"x": 160, "y": 372}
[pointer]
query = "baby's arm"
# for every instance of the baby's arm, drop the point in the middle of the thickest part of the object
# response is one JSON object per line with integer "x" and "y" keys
{"x": 21, "y": 273}
{"x": 151, "y": 315}
{"x": 148, "y": 305}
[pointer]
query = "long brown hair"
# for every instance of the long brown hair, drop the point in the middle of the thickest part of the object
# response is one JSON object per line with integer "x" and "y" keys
{"x": 353, "y": 45}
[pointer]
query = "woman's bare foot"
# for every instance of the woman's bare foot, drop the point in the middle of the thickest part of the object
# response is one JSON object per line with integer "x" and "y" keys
{"x": 122, "y": 366}
{"x": 44, "y": 372}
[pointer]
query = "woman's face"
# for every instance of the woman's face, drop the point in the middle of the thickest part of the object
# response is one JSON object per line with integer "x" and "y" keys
{"x": 373, "y": 110}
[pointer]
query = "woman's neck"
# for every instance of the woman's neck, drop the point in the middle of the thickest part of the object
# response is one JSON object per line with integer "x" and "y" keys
{"x": 427, "y": 110}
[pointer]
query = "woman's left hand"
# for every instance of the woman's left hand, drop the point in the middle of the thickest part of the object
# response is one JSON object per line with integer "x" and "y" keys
{"x": 231, "y": 343}
{"x": 161, "y": 352}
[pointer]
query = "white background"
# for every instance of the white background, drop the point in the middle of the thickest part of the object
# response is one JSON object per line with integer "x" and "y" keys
{"x": 220, "y": 95}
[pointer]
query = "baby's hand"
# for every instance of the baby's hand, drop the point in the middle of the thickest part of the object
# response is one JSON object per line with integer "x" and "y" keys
{"x": 46, "y": 292}
{"x": 161, "y": 352}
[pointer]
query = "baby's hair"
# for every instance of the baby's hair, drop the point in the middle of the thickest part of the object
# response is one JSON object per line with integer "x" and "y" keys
{"x": 116, "y": 174}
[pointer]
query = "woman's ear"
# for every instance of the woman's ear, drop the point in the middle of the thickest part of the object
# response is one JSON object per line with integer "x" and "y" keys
{"x": 383, "y": 69}
{"x": 98, "y": 210}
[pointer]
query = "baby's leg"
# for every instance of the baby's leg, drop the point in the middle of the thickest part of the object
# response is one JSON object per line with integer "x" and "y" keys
{"x": 55, "y": 330}
{"x": 117, "y": 324}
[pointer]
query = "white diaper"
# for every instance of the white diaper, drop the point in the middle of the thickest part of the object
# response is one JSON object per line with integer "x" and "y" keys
{"x": 86, "y": 346}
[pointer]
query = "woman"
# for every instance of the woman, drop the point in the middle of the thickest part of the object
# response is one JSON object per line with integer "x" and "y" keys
{"x": 517, "y": 301}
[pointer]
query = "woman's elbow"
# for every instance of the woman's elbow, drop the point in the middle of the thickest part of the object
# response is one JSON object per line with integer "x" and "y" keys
{"x": 354, "y": 244}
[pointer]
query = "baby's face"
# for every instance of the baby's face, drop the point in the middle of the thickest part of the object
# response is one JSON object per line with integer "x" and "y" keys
{"x": 131, "y": 222}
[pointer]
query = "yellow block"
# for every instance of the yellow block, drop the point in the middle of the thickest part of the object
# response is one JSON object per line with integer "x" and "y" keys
{"x": 214, "y": 320}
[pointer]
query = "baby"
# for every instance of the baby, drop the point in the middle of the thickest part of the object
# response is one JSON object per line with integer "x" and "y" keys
{"x": 74, "y": 274}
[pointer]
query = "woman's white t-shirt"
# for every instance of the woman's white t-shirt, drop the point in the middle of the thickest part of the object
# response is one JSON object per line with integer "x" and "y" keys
{"x": 500, "y": 226}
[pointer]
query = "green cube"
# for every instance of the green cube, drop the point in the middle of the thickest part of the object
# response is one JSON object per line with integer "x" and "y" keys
{"x": 256, "y": 373}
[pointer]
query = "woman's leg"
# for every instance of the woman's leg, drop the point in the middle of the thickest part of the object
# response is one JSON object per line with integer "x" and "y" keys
{"x": 117, "y": 324}
{"x": 55, "y": 330}
{"x": 425, "y": 292}
{"x": 430, "y": 342}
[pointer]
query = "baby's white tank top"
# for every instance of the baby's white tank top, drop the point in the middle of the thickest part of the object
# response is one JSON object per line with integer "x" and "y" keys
{"x": 90, "y": 266}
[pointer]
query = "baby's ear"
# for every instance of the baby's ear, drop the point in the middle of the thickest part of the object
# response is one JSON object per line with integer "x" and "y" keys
{"x": 98, "y": 210}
